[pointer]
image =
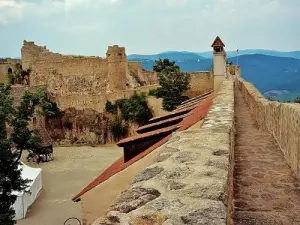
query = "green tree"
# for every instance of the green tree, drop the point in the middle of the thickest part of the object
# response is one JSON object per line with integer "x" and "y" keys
{"x": 173, "y": 83}
{"x": 161, "y": 64}
{"x": 297, "y": 100}
{"x": 12, "y": 145}
{"x": 49, "y": 108}
{"x": 136, "y": 109}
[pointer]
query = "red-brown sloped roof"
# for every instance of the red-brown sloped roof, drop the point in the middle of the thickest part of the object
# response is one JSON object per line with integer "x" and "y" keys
{"x": 160, "y": 123}
{"x": 191, "y": 103}
{"x": 218, "y": 42}
{"x": 197, "y": 97}
{"x": 147, "y": 135}
{"x": 172, "y": 114}
{"x": 187, "y": 105}
{"x": 196, "y": 115}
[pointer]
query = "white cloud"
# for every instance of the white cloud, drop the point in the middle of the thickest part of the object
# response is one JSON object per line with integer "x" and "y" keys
{"x": 148, "y": 26}
{"x": 14, "y": 10}
{"x": 10, "y": 10}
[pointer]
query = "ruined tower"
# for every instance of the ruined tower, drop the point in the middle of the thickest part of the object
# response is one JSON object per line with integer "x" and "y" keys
{"x": 219, "y": 62}
{"x": 116, "y": 68}
{"x": 30, "y": 53}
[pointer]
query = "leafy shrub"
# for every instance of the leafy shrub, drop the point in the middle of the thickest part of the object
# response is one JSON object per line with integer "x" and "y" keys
{"x": 152, "y": 92}
{"x": 171, "y": 101}
{"x": 51, "y": 109}
{"x": 68, "y": 124}
{"x": 118, "y": 128}
{"x": 11, "y": 78}
{"x": 157, "y": 92}
{"x": 134, "y": 109}
{"x": 111, "y": 108}
{"x": 120, "y": 103}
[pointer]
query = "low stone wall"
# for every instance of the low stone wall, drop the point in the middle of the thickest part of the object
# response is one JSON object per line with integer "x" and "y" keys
{"x": 201, "y": 82}
{"x": 191, "y": 179}
{"x": 282, "y": 120}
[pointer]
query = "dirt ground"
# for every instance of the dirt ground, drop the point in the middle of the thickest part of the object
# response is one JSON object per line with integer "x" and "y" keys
{"x": 72, "y": 169}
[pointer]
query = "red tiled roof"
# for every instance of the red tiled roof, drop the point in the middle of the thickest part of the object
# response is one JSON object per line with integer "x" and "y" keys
{"x": 197, "y": 97}
{"x": 218, "y": 42}
{"x": 187, "y": 105}
{"x": 173, "y": 113}
{"x": 197, "y": 114}
{"x": 162, "y": 122}
{"x": 146, "y": 135}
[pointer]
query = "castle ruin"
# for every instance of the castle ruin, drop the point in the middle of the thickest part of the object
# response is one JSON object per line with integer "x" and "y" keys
{"x": 82, "y": 82}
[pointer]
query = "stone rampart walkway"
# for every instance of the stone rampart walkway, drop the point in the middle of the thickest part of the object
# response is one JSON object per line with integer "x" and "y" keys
{"x": 265, "y": 192}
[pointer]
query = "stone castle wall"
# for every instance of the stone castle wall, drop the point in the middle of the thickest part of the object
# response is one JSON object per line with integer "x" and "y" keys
{"x": 282, "y": 120}
{"x": 71, "y": 76}
{"x": 201, "y": 82}
{"x": 85, "y": 82}
{"x": 88, "y": 82}
{"x": 5, "y": 65}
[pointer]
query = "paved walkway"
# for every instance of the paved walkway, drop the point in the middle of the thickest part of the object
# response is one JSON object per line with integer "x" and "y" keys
{"x": 265, "y": 192}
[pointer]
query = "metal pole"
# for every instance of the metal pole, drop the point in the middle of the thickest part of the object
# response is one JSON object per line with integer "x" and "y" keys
{"x": 237, "y": 58}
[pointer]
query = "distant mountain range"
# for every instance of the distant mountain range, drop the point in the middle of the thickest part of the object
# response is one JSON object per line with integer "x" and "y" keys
{"x": 172, "y": 55}
{"x": 181, "y": 55}
{"x": 292, "y": 54}
{"x": 280, "y": 75}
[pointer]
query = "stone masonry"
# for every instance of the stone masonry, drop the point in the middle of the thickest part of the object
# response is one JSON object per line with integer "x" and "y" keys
{"x": 189, "y": 182}
{"x": 88, "y": 82}
{"x": 282, "y": 120}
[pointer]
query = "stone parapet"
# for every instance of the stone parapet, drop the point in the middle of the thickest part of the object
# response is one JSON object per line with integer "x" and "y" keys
{"x": 282, "y": 120}
{"x": 191, "y": 179}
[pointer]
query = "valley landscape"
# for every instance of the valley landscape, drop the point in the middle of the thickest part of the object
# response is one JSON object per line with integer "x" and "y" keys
{"x": 274, "y": 73}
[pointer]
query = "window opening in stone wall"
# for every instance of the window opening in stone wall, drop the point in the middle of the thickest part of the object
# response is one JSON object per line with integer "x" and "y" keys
{"x": 9, "y": 71}
{"x": 218, "y": 49}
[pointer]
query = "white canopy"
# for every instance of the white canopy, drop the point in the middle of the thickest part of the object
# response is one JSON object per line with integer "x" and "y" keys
{"x": 25, "y": 199}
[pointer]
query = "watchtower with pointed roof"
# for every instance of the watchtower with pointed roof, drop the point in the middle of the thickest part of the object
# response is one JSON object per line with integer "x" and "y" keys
{"x": 219, "y": 63}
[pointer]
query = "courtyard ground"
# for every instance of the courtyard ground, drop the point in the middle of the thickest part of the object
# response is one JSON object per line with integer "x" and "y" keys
{"x": 72, "y": 169}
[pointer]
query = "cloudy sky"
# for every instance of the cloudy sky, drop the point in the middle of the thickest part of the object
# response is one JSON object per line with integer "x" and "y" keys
{"x": 87, "y": 27}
